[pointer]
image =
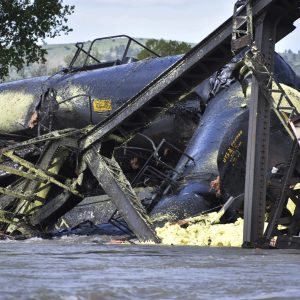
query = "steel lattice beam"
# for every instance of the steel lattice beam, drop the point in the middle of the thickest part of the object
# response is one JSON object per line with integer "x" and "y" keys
{"x": 259, "y": 128}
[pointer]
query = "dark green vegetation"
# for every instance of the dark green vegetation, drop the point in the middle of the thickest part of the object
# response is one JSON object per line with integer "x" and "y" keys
{"x": 23, "y": 25}
{"x": 164, "y": 48}
{"x": 293, "y": 59}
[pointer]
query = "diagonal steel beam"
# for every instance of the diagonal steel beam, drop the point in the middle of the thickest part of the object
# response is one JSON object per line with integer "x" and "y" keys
{"x": 217, "y": 44}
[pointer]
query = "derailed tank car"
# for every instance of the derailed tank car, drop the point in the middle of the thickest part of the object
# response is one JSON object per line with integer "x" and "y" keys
{"x": 81, "y": 96}
{"x": 171, "y": 163}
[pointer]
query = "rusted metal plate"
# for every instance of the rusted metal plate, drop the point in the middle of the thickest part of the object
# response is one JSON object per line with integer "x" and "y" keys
{"x": 102, "y": 105}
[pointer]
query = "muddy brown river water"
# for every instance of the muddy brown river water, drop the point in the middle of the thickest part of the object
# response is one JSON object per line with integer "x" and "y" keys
{"x": 83, "y": 268}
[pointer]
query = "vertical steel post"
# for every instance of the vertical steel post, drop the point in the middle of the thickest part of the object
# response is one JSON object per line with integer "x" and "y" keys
{"x": 258, "y": 139}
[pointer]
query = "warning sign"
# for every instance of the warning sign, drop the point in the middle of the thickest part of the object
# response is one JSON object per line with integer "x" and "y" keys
{"x": 102, "y": 105}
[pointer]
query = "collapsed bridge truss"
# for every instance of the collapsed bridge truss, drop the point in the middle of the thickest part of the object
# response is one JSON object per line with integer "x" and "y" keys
{"x": 42, "y": 194}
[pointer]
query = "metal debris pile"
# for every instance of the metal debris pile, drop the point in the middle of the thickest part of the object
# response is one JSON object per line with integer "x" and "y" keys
{"x": 157, "y": 142}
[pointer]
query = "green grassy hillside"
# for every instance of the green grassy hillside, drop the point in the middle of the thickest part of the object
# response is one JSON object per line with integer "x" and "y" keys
{"x": 60, "y": 55}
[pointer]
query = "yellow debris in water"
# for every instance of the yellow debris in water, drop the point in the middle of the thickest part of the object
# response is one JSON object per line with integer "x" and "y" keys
{"x": 200, "y": 232}
{"x": 291, "y": 206}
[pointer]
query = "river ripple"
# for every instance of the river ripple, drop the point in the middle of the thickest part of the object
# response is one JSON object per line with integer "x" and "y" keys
{"x": 83, "y": 268}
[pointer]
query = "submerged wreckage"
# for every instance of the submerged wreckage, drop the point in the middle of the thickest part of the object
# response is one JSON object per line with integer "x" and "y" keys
{"x": 136, "y": 144}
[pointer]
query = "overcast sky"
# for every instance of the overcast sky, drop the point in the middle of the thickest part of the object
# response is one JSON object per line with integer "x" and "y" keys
{"x": 184, "y": 20}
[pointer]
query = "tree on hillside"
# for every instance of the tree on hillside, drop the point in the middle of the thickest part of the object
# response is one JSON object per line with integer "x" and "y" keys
{"x": 24, "y": 24}
{"x": 164, "y": 48}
